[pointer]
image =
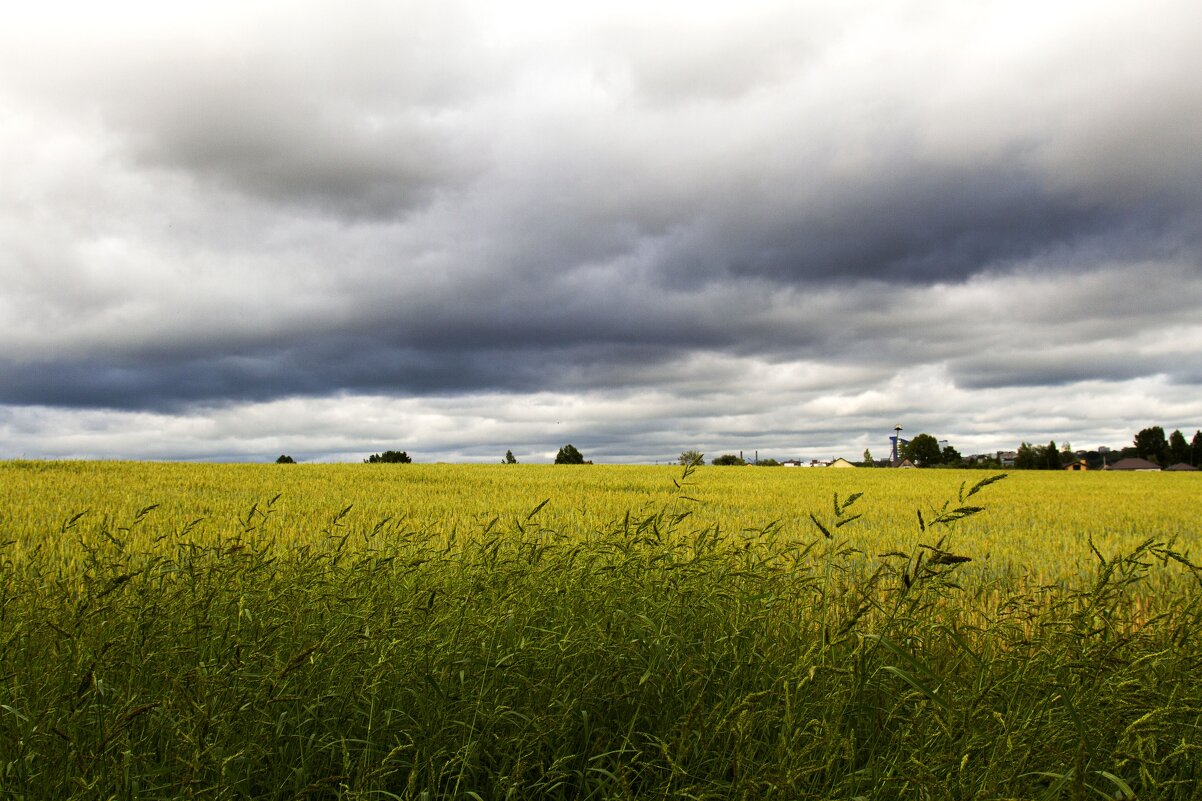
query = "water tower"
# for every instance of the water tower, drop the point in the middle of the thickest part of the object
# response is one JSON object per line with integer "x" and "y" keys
{"x": 896, "y": 441}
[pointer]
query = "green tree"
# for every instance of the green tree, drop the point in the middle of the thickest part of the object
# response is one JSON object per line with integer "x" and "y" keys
{"x": 1050, "y": 456}
{"x": 727, "y": 460}
{"x": 1150, "y": 444}
{"x": 569, "y": 455}
{"x": 509, "y": 458}
{"x": 1179, "y": 450}
{"x": 950, "y": 456}
{"x": 691, "y": 457}
{"x": 1026, "y": 457}
{"x": 1195, "y": 449}
{"x": 867, "y": 459}
{"x": 922, "y": 450}
{"x": 285, "y": 459}
{"x": 388, "y": 457}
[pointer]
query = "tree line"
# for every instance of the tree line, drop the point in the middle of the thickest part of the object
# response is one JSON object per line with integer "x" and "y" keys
{"x": 568, "y": 454}
{"x": 924, "y": 450}
{"x": 1150, "y": 444}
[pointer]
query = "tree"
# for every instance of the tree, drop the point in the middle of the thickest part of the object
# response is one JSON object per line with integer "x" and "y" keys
{"x": 1150, "y": 444}
{"x": 767, "y": 463}
{"x": 728, "y": 460}
{"x": 691, "y": 457}
{"x": 1051, "y": 456}
{"x": 569, "y": 455}
{"x": 509, "y": 458}
{"x": 922, "y": 450}
{"x": 1026, "y": 457}
{"x": 867, "y": 459}
{"x": 1195, "y": 449}
{"x": 285, "y": 459}
{"x": 1127, "y": 452}
{"x": 388, "y": 457}
{"x": 950, "y": 456}
{"x": 1179, "y": 450}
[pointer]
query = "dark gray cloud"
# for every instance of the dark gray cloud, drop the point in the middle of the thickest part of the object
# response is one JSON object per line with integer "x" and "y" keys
{"x": 782, "y": 227}
{"x": 1053, "y": 368}
{"x": 916, "y": 225}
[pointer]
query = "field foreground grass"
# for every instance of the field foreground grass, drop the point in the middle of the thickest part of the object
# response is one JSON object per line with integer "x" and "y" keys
{"x": 649, "y": 654}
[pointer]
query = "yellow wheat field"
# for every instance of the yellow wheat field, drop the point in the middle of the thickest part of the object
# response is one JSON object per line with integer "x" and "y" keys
{"x": 1035, "y": 523}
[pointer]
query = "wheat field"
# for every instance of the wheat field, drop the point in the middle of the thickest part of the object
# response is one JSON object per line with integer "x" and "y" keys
{"x": 1040, "y": 521}
{"x": 596, "y": 632}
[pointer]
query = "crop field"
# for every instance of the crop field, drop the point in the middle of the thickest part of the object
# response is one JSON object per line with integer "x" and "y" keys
{"x": 1038, "y": 522}
{"x": 603, "y": 632}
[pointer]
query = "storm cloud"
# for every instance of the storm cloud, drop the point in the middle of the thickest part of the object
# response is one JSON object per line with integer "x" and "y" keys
{"x": 233, "y": 230}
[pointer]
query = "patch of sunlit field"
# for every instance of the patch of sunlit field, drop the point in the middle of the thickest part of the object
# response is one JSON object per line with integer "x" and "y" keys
{"x": 1038, "y": 524}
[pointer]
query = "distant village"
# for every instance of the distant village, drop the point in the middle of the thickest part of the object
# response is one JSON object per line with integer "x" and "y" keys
{"x": 1150, "y": 451}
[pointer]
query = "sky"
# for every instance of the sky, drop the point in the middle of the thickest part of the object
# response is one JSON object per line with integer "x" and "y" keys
{"x": 233, "y": 230}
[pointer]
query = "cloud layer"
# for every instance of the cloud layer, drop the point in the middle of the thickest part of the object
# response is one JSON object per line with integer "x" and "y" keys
{"x": 242, "y": 229}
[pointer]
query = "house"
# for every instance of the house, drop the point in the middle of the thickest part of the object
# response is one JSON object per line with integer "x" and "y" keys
{"x": 1140, "y": 465}
{"x": 840, "y": 462}
{"x": 791, "y": 463}
{"x": 1181, "y": 467}
{"x": 1080, "y": 465}
{"x": 1007, "y": 458}
{"x": 905, "y": 463}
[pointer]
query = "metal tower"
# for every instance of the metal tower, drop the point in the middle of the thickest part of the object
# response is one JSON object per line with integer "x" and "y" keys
{"x": 896, "y": 440}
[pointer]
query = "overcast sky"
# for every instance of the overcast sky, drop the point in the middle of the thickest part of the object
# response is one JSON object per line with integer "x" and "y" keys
{"x": 231, "y": 230}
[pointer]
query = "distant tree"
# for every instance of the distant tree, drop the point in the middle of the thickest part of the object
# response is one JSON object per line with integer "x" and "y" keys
{"x": 867, "y": 462}
{"x": 1095, "y": 460}
{"x": 691, "y": 457}
{"x": 950, "y": 456}
{"x": 285, "y": 459}
{"x": 1179, "y": 450}
{"x": 767, "y": 463}
{"x": 1026, "y": 457}
{"x": 509, "y": 458}
{"x": 727, "y": 460}
{"x": 569, "y": 455}
{"x": 1195, "y": 449}
{"x": 1150, "y": 444}
{"x": 1050, "y": 456}
{"x": 922, "y": 450}
{"x": 388, "y": 457}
